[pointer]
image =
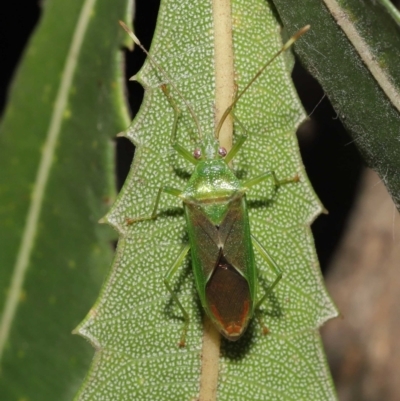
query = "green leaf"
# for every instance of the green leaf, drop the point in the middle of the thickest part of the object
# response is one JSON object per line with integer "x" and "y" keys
{"x": 135, "y": 325}
{"x": 56, "y": 181}
{"x": 353, "y": 50}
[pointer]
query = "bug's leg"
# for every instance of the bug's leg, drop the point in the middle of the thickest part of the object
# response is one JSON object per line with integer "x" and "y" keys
{"x": 267, "y": 176}
{"x": 239, "y": 142}
{"x": 179, "y": 148}
{"x": 241, "y": 138}
{"x": 167, "y": 279}
{"x": 153, "y": 216}
{"x": 274, "y": 266}
{"x": 263, "y": 177}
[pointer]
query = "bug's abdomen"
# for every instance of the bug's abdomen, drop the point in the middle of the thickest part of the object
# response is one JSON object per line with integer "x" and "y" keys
{"x": 228, "y": 297}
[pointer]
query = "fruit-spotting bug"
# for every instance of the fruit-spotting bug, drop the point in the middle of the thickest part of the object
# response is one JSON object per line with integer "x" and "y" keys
{"x": 220, "y": 241}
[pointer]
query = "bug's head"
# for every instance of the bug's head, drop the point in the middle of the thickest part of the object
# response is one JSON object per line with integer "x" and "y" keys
{"x": 209, "y": 150}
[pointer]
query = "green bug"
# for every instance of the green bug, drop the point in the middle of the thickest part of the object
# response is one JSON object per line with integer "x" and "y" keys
{"x": 220, "y": 239}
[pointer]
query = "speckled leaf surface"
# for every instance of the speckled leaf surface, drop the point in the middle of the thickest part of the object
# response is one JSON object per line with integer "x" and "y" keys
{"x": 56, "y": 180}
{"x": 135, "y": 326}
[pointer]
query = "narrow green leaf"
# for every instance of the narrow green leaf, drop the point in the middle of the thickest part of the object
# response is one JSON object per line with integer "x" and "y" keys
{"x": 391, "y": 9}
{"x": 56, "y": 181}
{"x": 354, "y": 51}
{"x": 135, "y": 326}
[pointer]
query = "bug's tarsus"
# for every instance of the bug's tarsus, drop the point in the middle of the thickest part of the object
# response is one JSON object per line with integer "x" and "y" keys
{"x": 286, "y": 46}
{"x": 264, "y": 329}
{"x": 278, "y": 183}
{"x": 131, "y": 221}
{"x": 182, "y": 341}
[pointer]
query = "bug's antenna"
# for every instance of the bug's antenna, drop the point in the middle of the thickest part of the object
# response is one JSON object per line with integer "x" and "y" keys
{"x": 163, "y": 72}
{"x": 286, "y": 46}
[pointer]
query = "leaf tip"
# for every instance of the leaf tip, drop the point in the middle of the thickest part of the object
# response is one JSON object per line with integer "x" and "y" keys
{"x": 120, "y": 135}
{"x": 103, "y": 220}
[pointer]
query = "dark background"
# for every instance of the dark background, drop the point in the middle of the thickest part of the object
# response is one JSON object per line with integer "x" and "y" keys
{"x": 331, "y": 159}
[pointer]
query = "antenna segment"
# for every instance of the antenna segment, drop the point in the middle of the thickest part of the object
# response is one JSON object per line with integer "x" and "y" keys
{"x": 165, "y": 74}
{"x": 286, "y": 46}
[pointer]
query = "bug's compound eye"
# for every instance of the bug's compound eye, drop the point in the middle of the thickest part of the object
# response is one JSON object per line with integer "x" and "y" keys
{"x": 197, "y": 153}
{"x": 222, "y": 152}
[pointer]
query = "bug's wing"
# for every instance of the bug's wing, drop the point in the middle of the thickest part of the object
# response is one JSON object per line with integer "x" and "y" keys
{"x": 204, "y": 240}
{"x": 234, "y": 234}
{"x": 221, "y": 257}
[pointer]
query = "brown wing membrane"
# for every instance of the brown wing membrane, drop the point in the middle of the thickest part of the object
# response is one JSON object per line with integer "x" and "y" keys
{"x": 228, "y": 298}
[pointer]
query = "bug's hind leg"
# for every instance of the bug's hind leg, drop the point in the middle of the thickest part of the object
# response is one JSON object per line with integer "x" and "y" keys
{"x": 167, "y": 281}
{"x": 278, "y": 272}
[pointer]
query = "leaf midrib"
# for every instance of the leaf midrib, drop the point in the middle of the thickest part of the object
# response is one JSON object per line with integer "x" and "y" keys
{"x": 364, "y": 51}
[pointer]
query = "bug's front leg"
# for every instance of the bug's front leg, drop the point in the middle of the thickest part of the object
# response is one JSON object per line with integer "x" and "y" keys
{"x": 177, "y": 113}
{"x": 241, "y": 139}
{"x": 277, "y": 270}
{"x": 167, "y": 281}
{"x": 168, "y": 190}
